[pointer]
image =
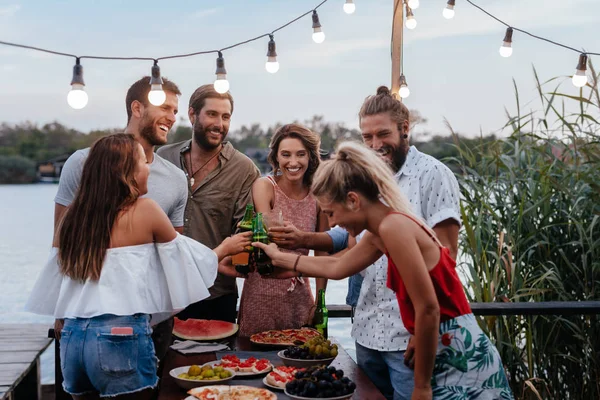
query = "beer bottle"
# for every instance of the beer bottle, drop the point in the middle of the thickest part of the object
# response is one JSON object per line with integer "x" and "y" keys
{"x": 241, "y": 260}
{"x": 263, "y": 262}
{"x": 321, "y": 315}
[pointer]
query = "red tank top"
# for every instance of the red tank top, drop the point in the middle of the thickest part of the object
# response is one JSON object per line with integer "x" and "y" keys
{"x": 448, "y": 288}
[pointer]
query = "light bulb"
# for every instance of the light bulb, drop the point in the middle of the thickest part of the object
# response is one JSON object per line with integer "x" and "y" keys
{"x": 349, "y": 7}
{"x": 318, "y": 34}
{"x": 414, "y": 4}
{"x": 221, "y": 85}
{"x": 156, "y": 95}
{"x": 506, "y": 49}
{"x": 411, "y": 22}
{"x": 580, "y": 78}
{"x": 449, "y": 10}
{"x": 404, "y": 91}
{"x": 272, "y": 65}
{"x": 77, "y": 97}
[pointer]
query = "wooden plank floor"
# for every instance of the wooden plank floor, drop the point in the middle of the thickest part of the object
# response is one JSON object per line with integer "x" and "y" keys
{"x": 20, "y": 346}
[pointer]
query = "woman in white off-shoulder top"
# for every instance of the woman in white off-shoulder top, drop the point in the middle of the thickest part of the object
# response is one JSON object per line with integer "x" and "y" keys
{"x": 117, "y": 267}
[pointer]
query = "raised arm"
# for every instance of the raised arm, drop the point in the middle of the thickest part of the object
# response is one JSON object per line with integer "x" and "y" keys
{"x": 263, "y": 195}
{"x": 356, "y": 259}
{"x": 322, "y": 226}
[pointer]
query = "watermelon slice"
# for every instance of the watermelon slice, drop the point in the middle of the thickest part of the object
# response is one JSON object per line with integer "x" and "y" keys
{"x": 203, "y": 329}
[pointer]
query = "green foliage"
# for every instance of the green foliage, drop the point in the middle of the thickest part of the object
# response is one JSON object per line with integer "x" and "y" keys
{"x": 16, "y": 169}
{"x": 532, "y": 233}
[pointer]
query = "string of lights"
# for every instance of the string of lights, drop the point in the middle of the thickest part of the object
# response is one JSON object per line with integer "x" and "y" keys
{"x": 78, "y": 98}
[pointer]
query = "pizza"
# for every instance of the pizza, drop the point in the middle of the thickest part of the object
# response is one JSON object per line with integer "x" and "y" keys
{"x": 249, "y": 365}
{"x": 285, "y": 337}
{"x": 222, "y": 392}
{"x": 282, "y": 375}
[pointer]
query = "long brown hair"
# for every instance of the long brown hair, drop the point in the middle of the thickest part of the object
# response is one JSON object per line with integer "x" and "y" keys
{"x": 106, "y": 188}
{"x": 357, "y": 168}
{"x": 309, "y": 139}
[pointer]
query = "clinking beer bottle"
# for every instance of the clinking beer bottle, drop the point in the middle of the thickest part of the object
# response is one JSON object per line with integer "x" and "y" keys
{"x": 263, "y": 262}
{"x": 321, "y": 315}
{"x": 240, "y": 261}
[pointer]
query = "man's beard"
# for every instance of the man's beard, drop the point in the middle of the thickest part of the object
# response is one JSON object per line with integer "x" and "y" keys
{"x": 148, "y": 132}
{"x": 398, "y": 155}
{"x": 200, "y": 136}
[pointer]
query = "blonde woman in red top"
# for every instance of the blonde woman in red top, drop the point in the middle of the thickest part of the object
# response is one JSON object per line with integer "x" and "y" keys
{"x": 452, "y": 356}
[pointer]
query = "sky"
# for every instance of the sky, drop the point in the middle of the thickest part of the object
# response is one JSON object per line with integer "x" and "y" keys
{"x": 453, "y": 67}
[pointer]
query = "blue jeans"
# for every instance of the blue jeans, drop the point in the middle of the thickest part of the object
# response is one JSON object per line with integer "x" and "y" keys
{"x": 387, "y": 371}
{"x": 95, "y": 361}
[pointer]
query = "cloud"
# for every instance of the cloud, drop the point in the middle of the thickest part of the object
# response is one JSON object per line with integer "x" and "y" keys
{"x": 204, "y": 13}
{"x": 9, "y": 11}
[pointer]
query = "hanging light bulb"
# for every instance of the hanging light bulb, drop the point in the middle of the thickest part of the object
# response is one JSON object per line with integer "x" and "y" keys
{"x": 506, "y": 48}
{"x": 349, "y": 7}
{"x": 411, "y": 22}
{"x": 404, "y": 90}
{"x": 77, "y": 97}
{"x": 580, "y": 77}
{"x": 221, "y": 83}
{"x": 157, "y": 95}
{"x": 449, "y": 10}
{"x": 414, "y": 4}
{"x": 318, "y": 34}
{"x": 272, "y": 64}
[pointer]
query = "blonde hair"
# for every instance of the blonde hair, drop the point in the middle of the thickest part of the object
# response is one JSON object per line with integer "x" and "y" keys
{"x": 357, "y": 168}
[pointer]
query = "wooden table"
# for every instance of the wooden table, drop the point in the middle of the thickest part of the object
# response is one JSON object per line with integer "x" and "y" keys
{"x": 365, "y": 390}
{"x": 20, "y": 348}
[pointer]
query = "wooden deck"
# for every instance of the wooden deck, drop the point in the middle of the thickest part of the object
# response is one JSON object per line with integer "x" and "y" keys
{"x": 20, "y": 348}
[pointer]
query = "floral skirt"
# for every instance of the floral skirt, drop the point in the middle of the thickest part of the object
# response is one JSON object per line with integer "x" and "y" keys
{"x": 467, "y": 364}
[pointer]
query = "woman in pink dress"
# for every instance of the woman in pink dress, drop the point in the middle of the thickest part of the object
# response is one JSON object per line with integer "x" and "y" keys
{"x": 273, "y": 303}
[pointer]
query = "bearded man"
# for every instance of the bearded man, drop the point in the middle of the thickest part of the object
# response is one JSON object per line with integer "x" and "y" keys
{"x": 220, "y": 180}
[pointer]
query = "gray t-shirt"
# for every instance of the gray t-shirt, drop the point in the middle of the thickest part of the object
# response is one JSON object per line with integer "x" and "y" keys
{"x": 167, "y": 185}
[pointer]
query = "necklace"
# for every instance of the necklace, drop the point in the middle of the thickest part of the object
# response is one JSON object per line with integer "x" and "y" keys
{"x": 192, "y": 180}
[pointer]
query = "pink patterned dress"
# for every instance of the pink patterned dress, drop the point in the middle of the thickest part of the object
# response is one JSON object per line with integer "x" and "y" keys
{"x": 280, "y": 303}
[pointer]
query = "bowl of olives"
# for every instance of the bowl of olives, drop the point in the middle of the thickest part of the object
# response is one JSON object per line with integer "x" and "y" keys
{"x": 195, "y": 376}
{"x": 320, "y": 382}
{"x": 316, "y": 351}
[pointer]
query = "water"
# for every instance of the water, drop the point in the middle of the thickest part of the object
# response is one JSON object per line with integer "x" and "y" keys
{"x": 26, "y": 224}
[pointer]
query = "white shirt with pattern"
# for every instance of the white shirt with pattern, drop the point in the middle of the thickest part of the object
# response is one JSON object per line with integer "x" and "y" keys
{"x": 433, "y": 192}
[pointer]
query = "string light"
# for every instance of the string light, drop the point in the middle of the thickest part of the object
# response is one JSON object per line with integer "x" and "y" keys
{"x": 449, "y": 10}
{"x": 272, "y": 64}
{"x": 506, "y": 48}
{"x": 411, "y": 22}
{"x": 221, "y": 83}
{"x": 404, "y": 91}
{"x": 580, "y": 77}
{"x": 77, "y": 97}
{"x": 318, "y": 34}
{"x": 157, "y": 95}
{"x": 349, "y": 7}
{"x": 414, "y": 4}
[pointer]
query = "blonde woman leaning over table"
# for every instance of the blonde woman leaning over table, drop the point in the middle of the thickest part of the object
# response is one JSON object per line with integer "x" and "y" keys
{"x": 271, "y": 303}
{"x": 357, "y": 191}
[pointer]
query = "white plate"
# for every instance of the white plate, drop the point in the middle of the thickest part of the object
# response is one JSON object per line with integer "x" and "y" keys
{"x": 267, "y": 384}
{"x": 191, "y": 383}
{"x": 227, "y": 388}
{"x": 243, "y": 373}
{"x": 301, "y": 363}
{"x": 348, "y": 396}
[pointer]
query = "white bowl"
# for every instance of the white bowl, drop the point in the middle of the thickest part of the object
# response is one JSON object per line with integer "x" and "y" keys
{"x": 344, "y": 397}
{"x": 191, "y": 383}
{"x": 301, "y": 363}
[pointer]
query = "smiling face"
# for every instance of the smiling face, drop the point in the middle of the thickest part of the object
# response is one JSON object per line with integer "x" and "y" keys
{"x": 157, "y": 121}
{"x": 349, "y": 214}
{"x": 383, "y": 135}
{"x": 211, "y": 124}
{"x": 292, "y": 159}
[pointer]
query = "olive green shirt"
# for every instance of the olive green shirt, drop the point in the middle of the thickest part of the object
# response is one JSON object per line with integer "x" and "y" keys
{"x": 215, "y": 207}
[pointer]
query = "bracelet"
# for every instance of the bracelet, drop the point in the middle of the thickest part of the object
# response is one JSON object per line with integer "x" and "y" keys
{"x": 296, "y": 264}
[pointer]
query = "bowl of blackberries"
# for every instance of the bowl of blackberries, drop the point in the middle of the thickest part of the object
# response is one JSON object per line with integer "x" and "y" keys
{"x": 316, "y": 351}
{"x": 320, "y": 382}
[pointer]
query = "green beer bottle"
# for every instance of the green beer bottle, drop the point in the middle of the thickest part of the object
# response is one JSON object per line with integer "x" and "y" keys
{"x": 241, "y": 260}
{"x": 263, "y": 262}
{"x": 321, "y": 315}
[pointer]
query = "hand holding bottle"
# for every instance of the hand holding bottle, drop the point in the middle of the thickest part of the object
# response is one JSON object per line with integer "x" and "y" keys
{"x": 233, "y": 245}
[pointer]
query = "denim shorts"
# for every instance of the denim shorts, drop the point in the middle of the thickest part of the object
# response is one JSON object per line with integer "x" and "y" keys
{"x": 95, "y": 361}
